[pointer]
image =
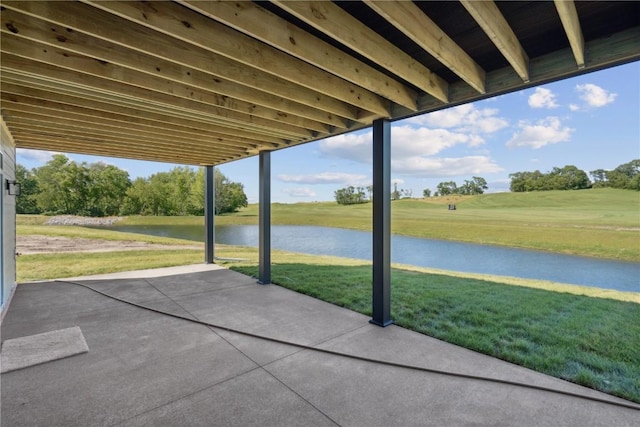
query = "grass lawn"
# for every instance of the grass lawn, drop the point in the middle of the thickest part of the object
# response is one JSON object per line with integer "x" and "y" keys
{"x": 591, "y": 341}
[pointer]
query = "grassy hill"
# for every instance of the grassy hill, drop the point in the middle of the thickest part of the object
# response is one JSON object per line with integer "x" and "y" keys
{"x": 599, "y": 222}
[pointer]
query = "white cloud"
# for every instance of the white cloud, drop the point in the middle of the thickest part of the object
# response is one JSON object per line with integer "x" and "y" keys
{"x": 397, "y": 181}
{"x": 356, "y": 147}
{"x": 543, "y": 132}
{"x": 410, "y": 141}
{"x": 542, "y": 98}
{"x": 406, "y": 141}
{"x": 324, "y": 178}
{"x": 463, "y": 118}
{"x": 413, "y": 148}
{"x": 574, "y": 107}
{"x": 595, "y": 96}
{"x": 433, "y": 167}
{"x": 40, "y": 156}
{"x": 299, "y": 192}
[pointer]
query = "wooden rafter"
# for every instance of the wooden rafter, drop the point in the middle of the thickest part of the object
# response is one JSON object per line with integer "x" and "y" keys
{"x": 72, "y": 116}
{"x": 569, "y": 17}
{"x": 177, "y": 61}
{"x": 333, "y": 21}
{"x": 490, "y": 19}
{"x": 132, "y": 116}
{"x": 211, "y": 105}
{"x": 408, "y": 18}
{"x": 263, "y": 25}
{"x": 116, "y": 74}
{"x": 192, "y": 27}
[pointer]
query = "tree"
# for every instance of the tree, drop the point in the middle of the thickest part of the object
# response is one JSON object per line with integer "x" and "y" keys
{"x": 426, "y": 193}
{"x": 52, "y": 196}
{"x": 137, "y": 199}
{"x": 230, "y": 196}
{"x": 476, "y": 186}
{"x": 599, "y": 177}
{"x": 568, "y": 177}
{"x": 447, "y": 188}
{"x": 26, "y": 203}
{"x": 350, "y": 195}
{"x": 395, "y": 194}
{"x": 108, "y": 185}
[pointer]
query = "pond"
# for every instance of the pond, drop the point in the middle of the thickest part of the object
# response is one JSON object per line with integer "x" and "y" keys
{"x": 440, "y": 254}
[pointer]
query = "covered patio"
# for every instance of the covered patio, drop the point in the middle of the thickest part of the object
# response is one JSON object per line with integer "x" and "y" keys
{"x": 147, "y": 368}
{"x": 206, "y": 83}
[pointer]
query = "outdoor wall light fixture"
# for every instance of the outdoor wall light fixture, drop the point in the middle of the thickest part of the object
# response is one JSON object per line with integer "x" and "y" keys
{"x": 14, "y": 188}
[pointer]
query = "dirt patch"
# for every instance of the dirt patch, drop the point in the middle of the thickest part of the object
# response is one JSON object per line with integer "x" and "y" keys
{"x": 35, "y": 244}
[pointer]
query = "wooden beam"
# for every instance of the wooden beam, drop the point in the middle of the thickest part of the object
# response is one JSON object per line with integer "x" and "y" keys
{"x": 119, "y": 127}
{"x": 252, "y": 19}
{"x": 135, "y": 137}
{"x": 208, "y": 105}
{"x": 117, "y": 74}
{"x": 408, "y": 18}
{"x": 179, "y": 22}
{"x": 490, "y": 19}
{"x": 140, "y": 107}
{"x": 10, "y": 92}
{"x": 338, "y": 24}
{"x": 609, "y": 51}
{"x": 71, "y": 145}
{"x": 569, "y": 17}
{"x": 295, "y": 100}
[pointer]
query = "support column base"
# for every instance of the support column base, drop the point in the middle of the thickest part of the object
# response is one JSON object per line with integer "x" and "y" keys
{"x": 383, "y": 324}
{"x": 260, "y": 282}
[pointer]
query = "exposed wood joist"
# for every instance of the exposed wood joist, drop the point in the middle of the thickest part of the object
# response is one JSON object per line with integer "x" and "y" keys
{"x": 620, "y": 48}
{"x": 115, "y": 75}
{"x": 490, "y": 19}
{"x": 57, "y": 90}
{"x": 119, "y": 127}
{"x": 408, "y": 18}
{"x": 191, "y": 27}
{"x": 263, "y": 25}
{"x": 335, "y": 22}
{"x": 569, "y": 17}
{"x": 212, "y": 106}
{"x": 106, "y": 140}
{"x": 177, "y": 61}
{"x": 127, "y": 116}
{"x": 105, "y": 148}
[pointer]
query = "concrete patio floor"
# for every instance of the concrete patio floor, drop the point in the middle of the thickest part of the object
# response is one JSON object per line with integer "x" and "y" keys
{"x": 146, "y": 368}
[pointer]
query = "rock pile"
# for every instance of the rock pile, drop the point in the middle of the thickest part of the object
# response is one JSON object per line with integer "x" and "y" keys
{"x": 82, "y": 220}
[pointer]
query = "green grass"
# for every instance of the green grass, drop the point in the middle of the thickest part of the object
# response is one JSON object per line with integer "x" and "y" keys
{"x": 59, "y": 265}
{"x": 602, "y": 223}
{"x": 591, "y": 341}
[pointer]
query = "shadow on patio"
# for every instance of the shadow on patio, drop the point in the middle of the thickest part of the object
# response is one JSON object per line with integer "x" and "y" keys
{"x": 147, "y": 368}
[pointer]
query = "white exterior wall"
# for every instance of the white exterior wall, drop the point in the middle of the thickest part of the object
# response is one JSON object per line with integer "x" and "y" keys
{"x": 8, "y": 220}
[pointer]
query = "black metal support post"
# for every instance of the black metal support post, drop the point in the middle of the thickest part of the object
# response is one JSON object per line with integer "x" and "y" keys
{"x": 264, "y": 244}
{"x": 381, "y": 304}
{"x": 209, "y": 214}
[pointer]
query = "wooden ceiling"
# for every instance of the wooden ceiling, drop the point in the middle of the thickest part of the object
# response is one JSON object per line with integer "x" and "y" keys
{"x": 207, "y": 82}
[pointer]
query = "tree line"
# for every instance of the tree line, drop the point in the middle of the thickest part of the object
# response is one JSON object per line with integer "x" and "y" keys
{"x": 355, "y": 195}
{"x": 569, "y": 177}
{"x": 65, "y": 187}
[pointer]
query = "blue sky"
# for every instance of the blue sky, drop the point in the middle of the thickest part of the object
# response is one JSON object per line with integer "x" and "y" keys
{"x": 591, "y": 121}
